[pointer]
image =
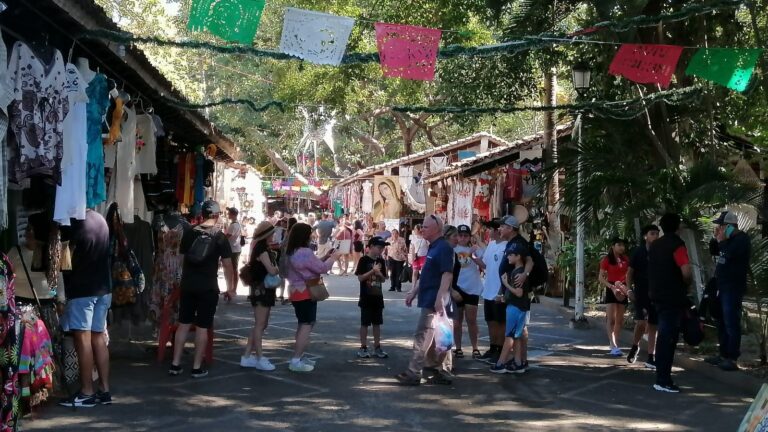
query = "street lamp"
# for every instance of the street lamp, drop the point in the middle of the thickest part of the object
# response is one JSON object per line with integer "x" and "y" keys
{"x": 581, "y": 77}
{"x": 581, "y": 81}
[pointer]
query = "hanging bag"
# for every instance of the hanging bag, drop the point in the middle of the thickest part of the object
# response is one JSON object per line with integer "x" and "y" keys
{"x": 317, "y": 290}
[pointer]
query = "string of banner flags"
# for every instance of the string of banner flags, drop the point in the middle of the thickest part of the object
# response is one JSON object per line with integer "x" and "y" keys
{"x": 411, "y": 52}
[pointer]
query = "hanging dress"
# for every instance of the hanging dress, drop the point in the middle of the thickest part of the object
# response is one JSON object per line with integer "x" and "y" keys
{"x": 125, "y": 165}
{"x": 70, "y": 195}
{"x": 98, "y": 103}
{"x": 10, "y": 347}
{"x": 36, "y": 114}
{"x": 167, "y": 271}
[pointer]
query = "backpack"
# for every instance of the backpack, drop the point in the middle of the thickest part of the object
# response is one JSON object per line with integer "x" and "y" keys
{"x": 540, "y": 271}
{"x": 202, "y": 247}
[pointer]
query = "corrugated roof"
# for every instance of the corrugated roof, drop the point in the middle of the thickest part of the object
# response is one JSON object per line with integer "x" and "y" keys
{"x": 416, "y": 157}
{"x": 526, "y": 143}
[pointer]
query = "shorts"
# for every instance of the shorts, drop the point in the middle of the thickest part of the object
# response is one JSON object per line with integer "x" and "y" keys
{"x": 235, "y": 260}
{"x": 495, "y": 311}
{"x": 418, "y": 263}
{"x": 610, "y": 298}
{"x": 198, "y": 307}
{"x": 371, "y": 316}
{"x": 467, "y": 299}
{"x": 359, "y": 247}
{"x": 306, "y": 311}
{"x": 261, "y": 296}
{"x": 323, "y": 248}
{"x": 345, "y": 246}
{"x": 515, "y": 322}
{"x": 87, "y": 313}
{"x": 645, "y": 311}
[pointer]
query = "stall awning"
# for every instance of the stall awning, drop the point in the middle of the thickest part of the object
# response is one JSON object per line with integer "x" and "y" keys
{"x": 424, "y": 155}
{"x": 495, "y": 157}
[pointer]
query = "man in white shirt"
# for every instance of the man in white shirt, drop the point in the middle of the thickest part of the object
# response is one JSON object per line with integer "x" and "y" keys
{"x": 495, "y": 313}
{"x": 234, "y": 231}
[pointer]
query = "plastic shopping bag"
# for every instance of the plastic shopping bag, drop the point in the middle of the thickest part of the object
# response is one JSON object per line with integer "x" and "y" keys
{"x": 443, "y": 333}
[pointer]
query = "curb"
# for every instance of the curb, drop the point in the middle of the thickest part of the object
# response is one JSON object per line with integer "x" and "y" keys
{"x": 739, "y": 380}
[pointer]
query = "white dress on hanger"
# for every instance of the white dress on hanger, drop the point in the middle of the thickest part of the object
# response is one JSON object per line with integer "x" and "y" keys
{"x": 70, "y": 195}
{"x": 367, "y": 202}
{"x": 145, "y": 154}
{"x": 125, "y": 165}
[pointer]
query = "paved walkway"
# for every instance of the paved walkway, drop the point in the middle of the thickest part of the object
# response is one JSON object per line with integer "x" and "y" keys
{"x": 572, "y": 384}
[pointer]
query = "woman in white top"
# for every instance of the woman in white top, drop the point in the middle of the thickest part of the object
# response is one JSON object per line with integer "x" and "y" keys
{"x": 468, "y": 290}
{"x": 417, "y": 255}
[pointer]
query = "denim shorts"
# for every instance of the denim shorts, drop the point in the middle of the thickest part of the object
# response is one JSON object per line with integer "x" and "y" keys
{"x": 515, "y": 322}
{"x": 87, "y": 313}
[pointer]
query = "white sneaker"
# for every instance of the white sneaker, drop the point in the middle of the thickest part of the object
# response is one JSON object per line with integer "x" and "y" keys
{"x": 308, "y": 361}
{"x": 249, "y": 362}
{"x": 616, "y": 351}
{"x": 300, "y": 366}
{"x": 264, "y": 364}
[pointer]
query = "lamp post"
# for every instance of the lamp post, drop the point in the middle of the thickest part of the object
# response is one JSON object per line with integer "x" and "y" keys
{"x": 581, "y": 81}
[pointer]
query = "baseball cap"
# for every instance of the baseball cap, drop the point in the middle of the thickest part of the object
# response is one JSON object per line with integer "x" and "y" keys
{"x": 727, "y": 218}
{"x": 210, "y": 208}
{"x": 516, "y": 248}
{"x": 377, "y": 241}
{"x": 510, "y": 221}
{"x": 464, "y": 229}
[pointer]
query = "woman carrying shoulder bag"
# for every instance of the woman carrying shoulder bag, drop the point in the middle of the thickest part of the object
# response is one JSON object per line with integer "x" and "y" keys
{"x": 263, "y": 266}
{"x": 305, "y": 270}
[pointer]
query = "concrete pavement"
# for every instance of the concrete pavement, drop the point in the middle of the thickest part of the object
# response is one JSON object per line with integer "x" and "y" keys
{"x": 572, "y": 384}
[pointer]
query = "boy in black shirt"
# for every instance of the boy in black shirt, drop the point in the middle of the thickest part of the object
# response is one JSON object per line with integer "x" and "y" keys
{"x": 518, "y": 304}
{"x": 371, "y": 274}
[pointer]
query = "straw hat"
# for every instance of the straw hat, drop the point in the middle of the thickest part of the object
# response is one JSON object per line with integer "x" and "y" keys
{"x": 263, "y": 230}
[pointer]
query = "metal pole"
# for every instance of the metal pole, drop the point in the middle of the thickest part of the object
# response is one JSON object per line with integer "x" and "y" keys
{"x": 579, "y": 232}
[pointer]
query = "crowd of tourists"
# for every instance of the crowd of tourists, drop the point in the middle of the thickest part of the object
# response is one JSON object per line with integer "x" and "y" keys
{"x": 450, "y": 271}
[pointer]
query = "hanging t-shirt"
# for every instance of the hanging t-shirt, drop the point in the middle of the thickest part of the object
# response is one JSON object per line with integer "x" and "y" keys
{"x": 146, "y": 145}
{"x": 492, "y": 258}
{"x": 70, "y": 195}
{"x": 98, "y": 103}
{"x": 469, "y": 276}
{"x": 36, "y": 114}
{"x": 126, "y": 165}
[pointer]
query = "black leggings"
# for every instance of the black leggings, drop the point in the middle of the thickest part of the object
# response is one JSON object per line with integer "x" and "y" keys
{"x": 395, "y": 270}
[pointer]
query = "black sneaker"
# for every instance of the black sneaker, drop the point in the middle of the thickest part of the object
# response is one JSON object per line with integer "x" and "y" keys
{"x": 493, "y": 360}
{"x": 714, "y": 360}
{"x": 514, "y": 368}
{"x": 667, "y": 388}
{"x": 524, "y": 365}
{"x": 487, "y": 356}
{"x": 633, "y": 352}
{"x": 175, "y": 370}
{"x": 103, "y": 398}
{"x": 729, "y": 365}
{"x": 199, "y": 373}
{"x": 80, "y": 400}
{"x": 651, "y": 362}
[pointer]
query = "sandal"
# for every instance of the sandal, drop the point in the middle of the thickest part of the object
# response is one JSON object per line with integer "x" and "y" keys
{"x": 458, "y": 353}
{"x": 476, "y": 354}
{"x": 407, "y": 379}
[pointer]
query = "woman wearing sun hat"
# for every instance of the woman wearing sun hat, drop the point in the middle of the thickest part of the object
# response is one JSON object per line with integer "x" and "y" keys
{"x": 262, "y": 262}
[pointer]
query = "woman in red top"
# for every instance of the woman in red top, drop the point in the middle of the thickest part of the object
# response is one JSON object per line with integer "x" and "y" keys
{"x": 613, "y": 276}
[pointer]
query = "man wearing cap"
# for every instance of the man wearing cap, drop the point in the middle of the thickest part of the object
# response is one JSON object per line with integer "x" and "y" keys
{"x": 202, "y": 247}
{"x": 734, "y": 249}
{"x": 496, "y": 312}
{"x": 433, "y": 291}
{"x": 234, "y": 231}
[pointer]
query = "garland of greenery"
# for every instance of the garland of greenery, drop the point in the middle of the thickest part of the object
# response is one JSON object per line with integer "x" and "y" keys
{"x": 624, "y": 109}
{"x": 452, "y": 51}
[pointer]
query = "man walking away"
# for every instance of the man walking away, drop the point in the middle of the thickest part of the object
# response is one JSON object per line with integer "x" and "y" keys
{"x": 89, "y": 297}
{"x": 234, "y": 231}
{"x": 202, "y": 246}
{"x": 433, "y": 291}
{"x": 734, "y": 247}
{"x": 669, "y": 274}
{"x": 324, "y": 229}
{"x": 646, "y": 319}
